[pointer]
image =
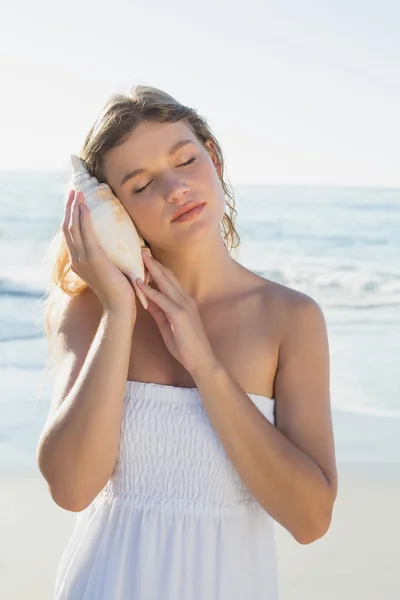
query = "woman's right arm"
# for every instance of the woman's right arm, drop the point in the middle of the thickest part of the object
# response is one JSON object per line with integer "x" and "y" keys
{"x": 79, "y": 444}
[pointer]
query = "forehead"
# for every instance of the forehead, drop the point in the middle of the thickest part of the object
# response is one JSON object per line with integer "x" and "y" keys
{"x": 145, "y": 144}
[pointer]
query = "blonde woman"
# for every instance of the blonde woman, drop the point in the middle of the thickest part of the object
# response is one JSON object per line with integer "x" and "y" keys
{"x": 180, "y": 433}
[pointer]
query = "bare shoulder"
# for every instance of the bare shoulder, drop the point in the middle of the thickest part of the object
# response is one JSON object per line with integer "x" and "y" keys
{"x": 301, "y": 324}
{"x": 288, "y": 305}
{"x": 302, "y": 316}
{"x": 75, "y": 326}
{"x": 286, "y": 297}
{"x": 302, "y": 379}
{"x": 83, "y": 310}
{"x": 78, "y": 319}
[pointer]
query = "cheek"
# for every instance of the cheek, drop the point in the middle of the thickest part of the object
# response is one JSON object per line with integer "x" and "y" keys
{"x": 208, "y": 174}
{"x": 140, "y": 215}
{"x": 143, "y": 218}
{"x": 208, "y": 177}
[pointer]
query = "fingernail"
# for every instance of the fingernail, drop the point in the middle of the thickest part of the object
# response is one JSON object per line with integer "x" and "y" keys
{"x": 138, "y": 280}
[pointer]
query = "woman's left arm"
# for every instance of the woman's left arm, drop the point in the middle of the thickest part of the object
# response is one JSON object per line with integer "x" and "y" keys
{"x": 290, "y": 468}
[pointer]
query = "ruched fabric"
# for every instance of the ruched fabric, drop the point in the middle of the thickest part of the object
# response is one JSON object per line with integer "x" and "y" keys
{"x": 175, "y": 521}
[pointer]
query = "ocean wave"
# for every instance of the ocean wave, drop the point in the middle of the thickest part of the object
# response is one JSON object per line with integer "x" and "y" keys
{"x": 20, "y": 337}
{"x": 12, "y": 329}
{"x": 366, "y": 306}
{"x": 352, "y": 286}
{"x": 370, "y": 411}
{"x": 22, "y": 365}
{"x": 349, "y": 398}
{"x": 16, "y": 287}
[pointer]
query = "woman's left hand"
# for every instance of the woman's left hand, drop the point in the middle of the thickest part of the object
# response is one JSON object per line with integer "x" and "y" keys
{"x": 177, "y": 317}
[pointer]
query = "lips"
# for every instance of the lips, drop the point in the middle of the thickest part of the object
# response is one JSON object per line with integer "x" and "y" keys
{"x": 186, "y": 208}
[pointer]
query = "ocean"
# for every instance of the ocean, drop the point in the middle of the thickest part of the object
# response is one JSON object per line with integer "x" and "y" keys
{"x": 339, "y": 245}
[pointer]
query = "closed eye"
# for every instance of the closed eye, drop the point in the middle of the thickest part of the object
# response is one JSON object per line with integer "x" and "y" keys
{"x": 189, "y": 162}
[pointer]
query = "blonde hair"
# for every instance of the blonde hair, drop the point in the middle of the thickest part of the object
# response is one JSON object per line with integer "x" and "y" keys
{"x": 121, "y": 114}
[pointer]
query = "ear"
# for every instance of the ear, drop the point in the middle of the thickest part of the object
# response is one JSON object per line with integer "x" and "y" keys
{"x": 214, "y": 156}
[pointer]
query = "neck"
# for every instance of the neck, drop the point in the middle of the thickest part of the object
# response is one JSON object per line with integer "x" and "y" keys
{"x": 205, "y": 271}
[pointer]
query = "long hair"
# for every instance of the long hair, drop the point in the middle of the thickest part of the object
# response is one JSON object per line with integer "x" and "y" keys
{"x": 121, "y": 114}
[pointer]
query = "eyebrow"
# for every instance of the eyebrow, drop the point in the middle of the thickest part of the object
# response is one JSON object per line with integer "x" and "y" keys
{"x": 171, "y": 151}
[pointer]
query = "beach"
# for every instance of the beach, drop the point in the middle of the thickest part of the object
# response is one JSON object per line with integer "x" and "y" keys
{"x": 301, "y": 122}
{"x": 345, "y": 257}
{"x": 358, "y": 558}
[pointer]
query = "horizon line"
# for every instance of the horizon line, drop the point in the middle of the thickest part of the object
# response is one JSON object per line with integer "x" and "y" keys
{"x": 356, "y": 186}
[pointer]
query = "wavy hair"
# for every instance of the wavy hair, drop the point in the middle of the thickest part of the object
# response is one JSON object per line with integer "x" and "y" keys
{"x": 121, "y": 114}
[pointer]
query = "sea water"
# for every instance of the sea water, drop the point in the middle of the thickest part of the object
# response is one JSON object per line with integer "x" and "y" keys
{"x": 340, "y": 246}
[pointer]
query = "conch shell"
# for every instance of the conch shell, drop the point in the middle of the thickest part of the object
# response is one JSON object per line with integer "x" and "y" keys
{"x": 112, "y": 225}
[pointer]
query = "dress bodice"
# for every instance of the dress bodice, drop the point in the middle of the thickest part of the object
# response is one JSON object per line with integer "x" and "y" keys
{"x": 170, "y": 453}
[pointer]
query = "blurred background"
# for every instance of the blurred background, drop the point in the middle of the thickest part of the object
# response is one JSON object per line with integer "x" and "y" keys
{"x": 304, "y": 100}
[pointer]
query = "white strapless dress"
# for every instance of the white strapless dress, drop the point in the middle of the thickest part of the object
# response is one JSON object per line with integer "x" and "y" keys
{"x": 175, "y": 521}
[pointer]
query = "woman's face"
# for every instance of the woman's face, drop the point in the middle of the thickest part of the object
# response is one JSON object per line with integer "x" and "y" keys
{"x": 166, "y": 182}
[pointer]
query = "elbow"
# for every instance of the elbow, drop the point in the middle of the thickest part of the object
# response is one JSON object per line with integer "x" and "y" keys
{"x": 63, "y": 498}
{"x": 68, "y": 502}
{"x": 316, "y": 528}
{"x": 311, "y": 535}
{"x": 66, "y": 498}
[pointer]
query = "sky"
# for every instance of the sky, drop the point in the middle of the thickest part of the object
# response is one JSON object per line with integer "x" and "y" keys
{"x": 300, "y": 93}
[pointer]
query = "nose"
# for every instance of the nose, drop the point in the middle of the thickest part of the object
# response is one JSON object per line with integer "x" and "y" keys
{"x": 174, "y": 188}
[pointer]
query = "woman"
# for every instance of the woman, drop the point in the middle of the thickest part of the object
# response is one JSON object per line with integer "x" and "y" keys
{"x": 179, "y": 433}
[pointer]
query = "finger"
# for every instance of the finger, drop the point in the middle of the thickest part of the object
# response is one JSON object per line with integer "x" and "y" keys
{"x": 148, "y": 276}
{"x": 159, "y": 298}
{"x": 165, "y": 280}
{"x": 89, "y": 238}
{"x": 158, "y": 314}
{"x": 172, "y": 277}
{"x": 75, "y": 226}
{"x": 65, "y": 227}
{"x": 141, "y": 295}
{"x": 67, "y": 211}
{"x": 155, "y": 264}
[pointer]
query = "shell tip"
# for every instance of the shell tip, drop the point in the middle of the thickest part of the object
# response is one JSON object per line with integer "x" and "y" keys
{"x": 76, "y": 161}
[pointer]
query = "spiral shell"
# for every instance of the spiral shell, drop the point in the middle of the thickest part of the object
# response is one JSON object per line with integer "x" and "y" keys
{"x": 112, "y": 224}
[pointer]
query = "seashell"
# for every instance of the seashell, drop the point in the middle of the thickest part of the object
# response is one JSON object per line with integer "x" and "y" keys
{"x": 112, "y": 225}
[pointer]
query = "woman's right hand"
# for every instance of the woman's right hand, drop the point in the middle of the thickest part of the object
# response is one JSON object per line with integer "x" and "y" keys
{"x": 91, "y": 263}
